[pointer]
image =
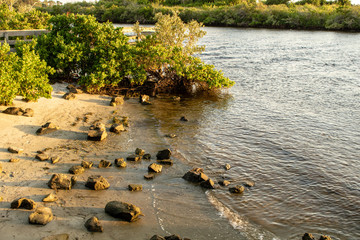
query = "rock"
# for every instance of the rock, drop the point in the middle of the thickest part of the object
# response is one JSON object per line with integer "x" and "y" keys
{"x": 54, "y": 159}
{"x": 47, "y": 128}
{"x": 87, "y": 164}
{"x": 133, "y": 158}
{"x": 76, "y": 170}
{"x": 41, "y": 216}
{"x": 104, "y": 164}
{"x": 42, "y": 156}
{"x": 15, "y": 150}
{"x": 324, "y": 237}
{"x": 171, "y": 135}
{"x": 173, "y": 237}
{"x": 135, "y": 187}
{"x": 144, "y": 99}
{"x": 163, "y": 154}
{"x": 119, "y": 162}
{"x": 157, "y": 237}
{"x": 139, "y": 151}
{"x": 74, "y": 89}
{"x": 119, "y": 100}
{"x": 125, "y": 211}
{"x": 50, "y": 198}
{"x": 24, "y": 203}
{"x": 224, "y": 183}
{"x": 237, "y": 189}
{"x": 184, "y": 119}
{"x": 308, "y": 236}
{"x": 61, "y": 181}
{"x": 195, "y": 175}
{"x": 227, "y": 166}
{"x": 149, "y": 176}
{"x": 14, "y": 111}
{"x": 28, "y": 112}
{"x": 117, "y": 128}
{"x": 248, "y": 184}
{"x": 154, "y": 168}
{"x": 93, "y": 225}
{"x": 146, "y": 156}
{"x": 97, "y": 182}
{"x": 69, "y": 96}
{"x": 97, "y": 135}
{"x": 62, "y": 236}
{"x": 165, "y": 162}
{"x": 209, "y": 184}
{"x": 13, "y": 160}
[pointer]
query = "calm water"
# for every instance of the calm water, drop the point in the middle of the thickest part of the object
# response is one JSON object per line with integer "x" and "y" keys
{"x": 290, "y": 124}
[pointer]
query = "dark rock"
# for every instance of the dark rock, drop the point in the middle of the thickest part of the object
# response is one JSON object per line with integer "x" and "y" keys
{"x": 14, "y": 111}
{"x": 237, "y": 189}
{"x": 28, "y": 112}
{"x": 93, "y": 225}
{"x": 224, "y": 183}
{"x": 227, "y": 166}
{"x": 62, "y": 236}
{"x": 119, "y": 100}
{"x": 69, "y": 96}
{"x": 133, "y": 158}
{"x": 50, "y": 198}
{"x": 15, "y": 150}
{"x": 139, "y": 151}
{"x": 97, "y": 135}
{"x": 324, "y": 237}
{"x": 165, "y": 162}
{"x": 195, "y": 175}
{"x": 163, "y": 154}
{"x": 135, "y": 187}
{"x": 97, "y": 182}
{"x": 308, "y": 236}
{"x": 149, "y": 176}
{"x": 24, "y": 203}
{"x": 42, "y": 156}
{"x": 13, "y": 160}
{"x": 76, "y": 170}
{"x": 154, "y": 168}
{"x": 147, "y": 156}
{"x": 61, "y": 181}
{"x": 54, "y": 159}
{"x": 184, "y": 119}
{"x": 171, "y": 135}
{"x": 157, "y": 237}
{"x": 87, "y": 164}
{"x": 41, "y": 216}
{"x": 209, "y": 184}
{"x": 173, "y": 237}
{"x": 104, "y": 164}
{"x": 125, "y": 211}
{"x": 117, "y": 128}
{"x": 47, "y": 128}
{"x": 119, "y": 162}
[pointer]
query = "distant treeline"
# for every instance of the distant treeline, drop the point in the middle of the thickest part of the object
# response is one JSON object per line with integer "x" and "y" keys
{"x": 306, "y": 14}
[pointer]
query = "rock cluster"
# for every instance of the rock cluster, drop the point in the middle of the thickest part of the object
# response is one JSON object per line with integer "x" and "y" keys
{"x": 28, "y": 112}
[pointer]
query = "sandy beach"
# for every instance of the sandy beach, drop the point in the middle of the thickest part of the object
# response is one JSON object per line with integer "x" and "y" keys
{"x": 170, "y": 205}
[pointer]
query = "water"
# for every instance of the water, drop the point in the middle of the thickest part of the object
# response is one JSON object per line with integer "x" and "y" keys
{"x": 290, "y": 124}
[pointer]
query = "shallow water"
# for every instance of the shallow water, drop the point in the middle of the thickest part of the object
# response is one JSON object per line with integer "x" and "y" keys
{"x": 290, "y": 124}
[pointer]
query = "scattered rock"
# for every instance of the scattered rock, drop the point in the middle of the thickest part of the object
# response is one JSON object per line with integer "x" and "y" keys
{"x": 119, "y": 100}
{"x": 24, "y": 203}
{"x": 87, "y": 164}
{"x": 28, "y": 112}
{"x": 184, "y": 119}
{"x": 125, "y": 211}
{"x": 42, "y": 156}
{"x": 47, "y": 128}
{"x": 146, "y": 156}
{"x": 171, "y": 135}
{"x": 41, "y": 216}
{"x": 144, "y": 99}
{"x": 308, "y": 236}
{"x": 54, "y": 159}
{"x": 97, "y": 132}
{"x": 173, "y": 237}
{"x": 248, "y": 184}
{"x": 224, "y": 182}
{"x": 227, "y": 166}
{"x": 163, "y": 154}
{"x": 324, "y": 237}
{"x": 97, "y": 182}
{"x": 50, "y": 198}
{"x": 209, "y": 184}
{"x": 13, "y": 160}
{"x": 61, "y": 181}
{"x": 154, "y": 168}
{"x": 69, "y": 96}
{"x": 93, "y": 225}
{"x": 165, "y": 162}
{"x": 139, "y": 151}
{"x": 149, "y": 176}
{"x": 133, "y": 158}
{"x": 119, "y": 162}
{"x": 63, "y": 236}
{"x": 195, "y": 175}
{"x": 15, "y": 150}
{"x": 117, "y": 128}
{"x": 237, "y": 189}
{"x": 76, "y": 170}
{"x": 104, "y": 164}
{"x": 135, "y": 187}
{"x": 157, "y": 237}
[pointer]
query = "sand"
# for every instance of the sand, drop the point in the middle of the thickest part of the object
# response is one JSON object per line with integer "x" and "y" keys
{"x": 169, "y": 204}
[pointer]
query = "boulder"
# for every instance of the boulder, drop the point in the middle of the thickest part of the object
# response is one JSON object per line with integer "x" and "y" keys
{"x": 87, "y": 164}
{"x": 47, "y": 128}
{"x": 24, "y": 203}
{"x": 69, "y": 96}
{"x": 173, "y": 237}
{"x": 139, "y": 151}
{"x": 119, "y": 100}
{"x": 41, "y": 216}
{"x": 165, "y": 162}
{"x": 62, "y": 236}
{"x": 237, "y": 189}
{"x": 324, "y": 237}
{"x": 146, "y": 156}
{"x": 227, "y": 166}
{"x": 93, "y": 225}
{"x": 135, "y": 187}
{"x": 125, "y": 211}
{"x": 149, "y": 176}
{"x": 104, "y": 164}
{"x": 15, "y": 150}
{"x": 157, "y": 237}
{"x": 42, "y": 156}
{"x": 308, "y": 236}
{"x": 61, "y": 181}
{"x": 163, "y": 154}
{"x": 119, "y": 162}
{"x": 54, "y": 159}
{"x": 155, "y": 168}
{"x": 97, "y": 135}
{"x": 50, "y": 198}
{"x": 195, "y": 175}
{"x": 117, "y": 128}
{"x": 76, "y": 170}
{"x": 224, "y": 182}
{"x": 133, "y": 158}
{"x": 97, "y": 182}
{"x": 209, "y": 184}
{"x": 184, "y": 119}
